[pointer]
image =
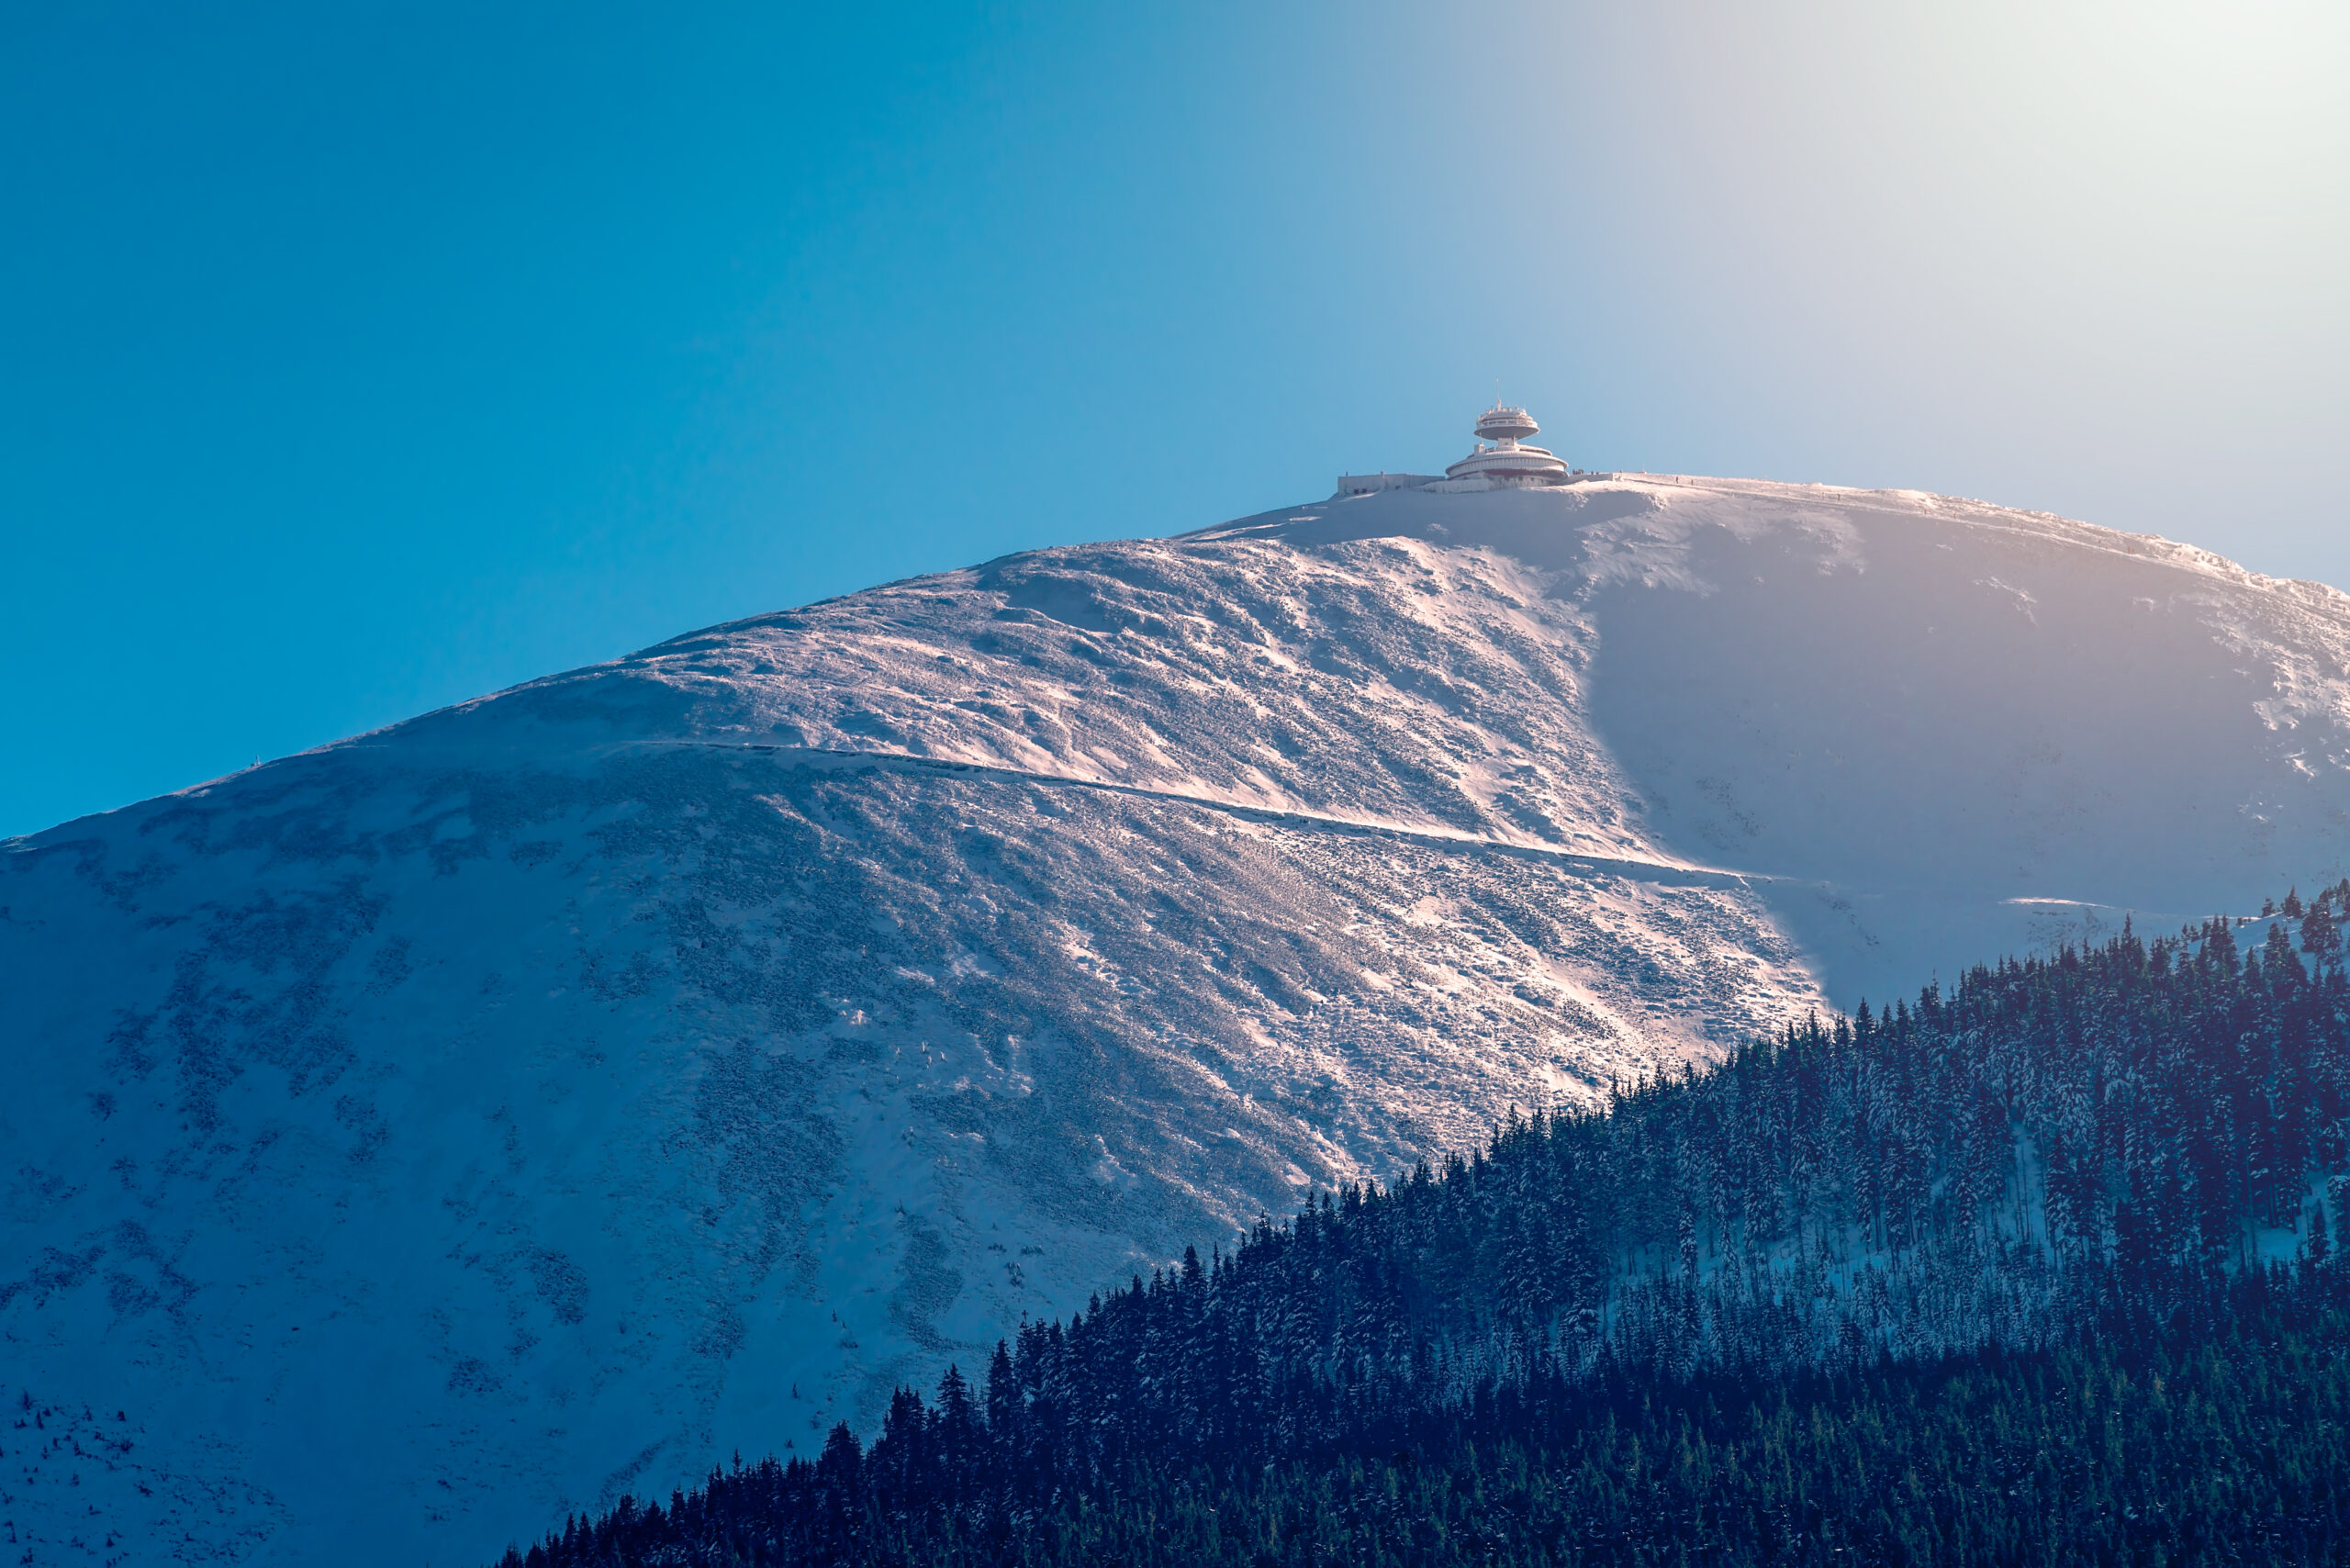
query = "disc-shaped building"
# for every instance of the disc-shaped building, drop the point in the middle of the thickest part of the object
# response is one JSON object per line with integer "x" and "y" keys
{"x": 1508, "y": 463}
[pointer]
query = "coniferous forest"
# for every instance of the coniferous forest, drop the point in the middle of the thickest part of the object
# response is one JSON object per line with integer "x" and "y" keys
{"x": 2037, "y": 1269}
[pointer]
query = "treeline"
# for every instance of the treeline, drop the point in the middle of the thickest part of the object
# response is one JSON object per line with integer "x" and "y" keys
{"x": 2218, "y": 1441}
{"x": 2087, "y": 1150}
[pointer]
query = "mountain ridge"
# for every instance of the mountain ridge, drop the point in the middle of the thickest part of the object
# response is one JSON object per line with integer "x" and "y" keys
{"x": 583, "y": 1092}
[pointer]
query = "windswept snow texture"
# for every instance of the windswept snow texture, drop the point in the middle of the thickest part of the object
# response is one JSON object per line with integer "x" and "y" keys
{"x": 547, "y": 1098}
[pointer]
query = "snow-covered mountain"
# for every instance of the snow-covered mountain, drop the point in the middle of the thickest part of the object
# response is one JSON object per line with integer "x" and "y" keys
{"x": 548, "y": 1097}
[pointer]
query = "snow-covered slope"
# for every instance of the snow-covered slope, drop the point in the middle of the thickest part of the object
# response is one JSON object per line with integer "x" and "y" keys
{"x": 548, "y": 1097}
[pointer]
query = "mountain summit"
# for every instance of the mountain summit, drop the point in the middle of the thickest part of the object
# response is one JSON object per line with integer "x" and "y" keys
{"x": 536, "y": 1101}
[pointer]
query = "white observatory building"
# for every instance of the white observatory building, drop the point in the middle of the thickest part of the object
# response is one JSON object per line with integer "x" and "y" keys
{"x": 1508, "y": 465}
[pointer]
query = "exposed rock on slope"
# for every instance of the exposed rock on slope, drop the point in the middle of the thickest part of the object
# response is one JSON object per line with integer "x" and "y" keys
{"x": 541, "y": 1099}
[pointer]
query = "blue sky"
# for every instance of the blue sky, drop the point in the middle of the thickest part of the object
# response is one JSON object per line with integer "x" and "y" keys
{"x": 357, "y": 360}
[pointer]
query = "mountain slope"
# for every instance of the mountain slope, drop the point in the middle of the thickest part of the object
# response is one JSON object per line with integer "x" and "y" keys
{"x": 2087, "y": 1152}
{"x": 473, "y": 1120}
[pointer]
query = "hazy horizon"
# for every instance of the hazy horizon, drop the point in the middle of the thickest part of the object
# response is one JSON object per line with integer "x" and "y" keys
{"x": 364, "y": 363}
